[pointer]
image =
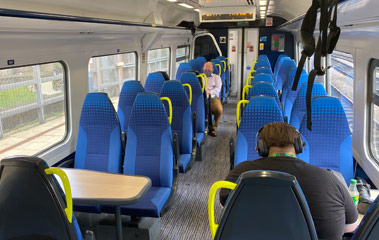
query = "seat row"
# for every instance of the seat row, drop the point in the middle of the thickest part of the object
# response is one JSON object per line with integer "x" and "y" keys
{"x": 328, "y": 144}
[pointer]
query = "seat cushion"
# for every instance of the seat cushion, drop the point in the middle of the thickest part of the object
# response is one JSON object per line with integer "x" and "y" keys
{"x": 199, "y": 137}
{"x": 184, "y": 160}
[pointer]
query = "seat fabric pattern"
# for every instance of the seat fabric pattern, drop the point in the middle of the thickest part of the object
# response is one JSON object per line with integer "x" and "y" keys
{"x": 149, "y": 153}
{"x": 278, "y": 62}
{"x": 287, "y": 86}
{"x": 195, "y": 65}
{"x": 329, "y": 143}
{"x": 258, "y": 112}
{"x": 181, "y": 117}
{"x": 202, "y": 61}
{"x": 291, "y": 96}
{"x": 266, "y": 89}
{"x": 265, "y": 63}
{"x": 154, "y": 82}
{"x": 197, "y": 103}
{"x": 283, "y": 72}
{"x": 299, "y": 108}
{"x": 183, "y": 67}
{"x": 99, "y": 139}
{"x": 264, "y": 70}
{"x": 262, "y": 77}
{"x": 128, "y": 94}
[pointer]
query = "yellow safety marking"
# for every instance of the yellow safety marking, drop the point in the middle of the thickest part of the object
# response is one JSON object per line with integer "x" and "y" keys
{"x": 67, "y": 189}
{"x": 169, "y": 106}
{"x": 204, "y": 80}
{"x": 190, "y": 92}
{"x": 211, "y": 203}
{"x": 238, "y": 110}
{"x": 245, "y": 92}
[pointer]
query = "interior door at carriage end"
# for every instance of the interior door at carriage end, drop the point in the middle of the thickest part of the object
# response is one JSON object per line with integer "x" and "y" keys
{"x": 250, "y": 49}
{"x": 234, "y": 55}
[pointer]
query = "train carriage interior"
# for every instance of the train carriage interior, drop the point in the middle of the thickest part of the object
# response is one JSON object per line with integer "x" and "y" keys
{"x": 106, "y": 124}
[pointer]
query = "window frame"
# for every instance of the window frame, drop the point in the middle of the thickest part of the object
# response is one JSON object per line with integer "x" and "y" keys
{"x": 66, "y": 105}
{"x": 186, "y": 57}
{"x": 169, "y": 59}
{"x": 372, "y": 99}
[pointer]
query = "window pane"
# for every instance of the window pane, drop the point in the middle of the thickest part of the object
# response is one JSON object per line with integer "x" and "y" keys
{"x": 158, "y": 60}
{"x": 108, "y": 73}
{"x": 375, "y": 131}
{"x": 182, "y": 55}
{"x": 32, "y": 108}
{"x": 342, "y": 77}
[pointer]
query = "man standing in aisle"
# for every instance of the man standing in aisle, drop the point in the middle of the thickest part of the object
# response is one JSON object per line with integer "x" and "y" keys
{"x": 214, "y": 85}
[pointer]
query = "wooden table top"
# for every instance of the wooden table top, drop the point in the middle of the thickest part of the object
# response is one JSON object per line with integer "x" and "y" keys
{"x": 92, "y": 187}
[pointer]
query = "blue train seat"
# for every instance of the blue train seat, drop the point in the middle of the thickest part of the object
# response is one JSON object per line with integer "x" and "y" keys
{"x": 291, "y": 96}
{"x": 197, "y": 104}
{"x": 195, "y": 65}
{"x": 262, "y": 77}
{"x": 202, "y": 61}
{"x": 227, "y": 74}
{"x": 183, "y": 67}
{"x": 329, "y": 143}
{"x": 265, "y": 89}
{"x": 149, "y": 152}
{"x": 32, "y": 204}
{"x": 283, "y": 72}
{"x": 263, "y": 70}
{"x": 128, "y": 94}
{"x": 299, "y": 108}
{"x": 278, "y": 64}
{"x": 221, "y": 73}
{"x": 287, "y": 85}
{"x": 99, "y": 146}
{"x": 181, "y": 120}
{"x": 257, "y": 194}
{"x": 154, "y": 82}
{"x": 262, "y": 56}
{"x": 258, "y": 112}
{"x": 368, "y": 229}
{"x": 265, "y": 63}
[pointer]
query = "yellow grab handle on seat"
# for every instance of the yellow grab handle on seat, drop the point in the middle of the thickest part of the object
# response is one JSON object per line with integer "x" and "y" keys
{"x": 248, "y": 80}
{"x": 254, "y": 62}
{"x": 219, "y": 68}
{"x": 224, "y": 65}
{"x": 238, "y": 111}
{"x": 211, "y": 203}
{"x": 227, "y": 59}
{"x": 190, "y": 92}
{"x": 67, "y": 189}
{"x": 245, "y": 91}
{"x": 204, "y": 80}
{"x": 169, "y": 106}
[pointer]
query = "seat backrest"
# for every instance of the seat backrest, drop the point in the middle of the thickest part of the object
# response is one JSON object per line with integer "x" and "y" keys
{"x": 283, "y": 72}
{"x": 264, "y": 88}
{"x": 329, "y": 143}
{"x": 154, "y": 82}
{"x": 291, "y": 96}
{"x": 258, "y": 112}
{"x": 217, "y": 62}
{"x": 202, "y": 61}
{"x": 149, "y": 146}
{"x": 299, "y": 108}
{"x": 264, "y": 70}
{"x": 195, "y": 65}
{"x": 128, "y": 94}
{"x": 263, "y": 77}
{"x": 278, "y": 64}
{"x": 165, "y": 75}
{"x": 369, "y": 227}
{"x": 181, "y": 114}
{"x": 197, "y": 99}
{"x": 266, "y": 205}
{"x": 183, "y": 67}
{"x": 99, "y": 144}
{"x": 31, "y": 204}
{"x": 262, "y": 63}
{"x": 287, "y": 85}
{"x": 227, "y": 73}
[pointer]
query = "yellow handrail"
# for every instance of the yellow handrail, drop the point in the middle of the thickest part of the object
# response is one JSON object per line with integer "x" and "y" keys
{"x": 211, "y": 203}
{"x": 67, "y": 189}
{"x": 248, "y": 80}
{"x": 253, "y": 65}
{"x": 238, "y": 111}
{"x": 227, "y": 59}
{"x": 219, "y": 68}
{"x": 245, "y": 92}
{"x": 169, "y": 106}
{"x": 190, "y": 92}
{"x": 224, "y": 64}
{"x": 204, "y": 80}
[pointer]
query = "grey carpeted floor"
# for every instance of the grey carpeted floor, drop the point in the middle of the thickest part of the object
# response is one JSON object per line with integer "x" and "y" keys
{"x": 188, "y": 215}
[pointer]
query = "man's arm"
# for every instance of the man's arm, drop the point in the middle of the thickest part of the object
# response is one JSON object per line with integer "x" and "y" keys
{"x": 232, "y": 177}
{"x": 217, "y": 88}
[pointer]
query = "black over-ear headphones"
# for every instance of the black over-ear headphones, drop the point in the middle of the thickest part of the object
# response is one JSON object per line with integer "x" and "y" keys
{"x": 263, "y": 150}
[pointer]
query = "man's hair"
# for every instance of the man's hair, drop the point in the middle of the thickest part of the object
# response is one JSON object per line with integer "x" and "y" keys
{"x": 279, "y": 134}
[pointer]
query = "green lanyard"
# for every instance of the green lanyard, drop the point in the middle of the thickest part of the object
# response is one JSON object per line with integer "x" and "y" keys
{"x": 282, "y": 155}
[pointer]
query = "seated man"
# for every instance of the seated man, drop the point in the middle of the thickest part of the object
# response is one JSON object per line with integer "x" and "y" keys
{"x": 214, "y": 85}
{"x": 328, "y": 198}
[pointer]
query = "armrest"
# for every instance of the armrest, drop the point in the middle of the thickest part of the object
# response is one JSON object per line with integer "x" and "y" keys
{"x": 123, "y": 141}
{"x": 231, "y": 150}
{"x": 175, "y": 147}
{"x": 194, "y": 127}
{"x": 210, "y": 124}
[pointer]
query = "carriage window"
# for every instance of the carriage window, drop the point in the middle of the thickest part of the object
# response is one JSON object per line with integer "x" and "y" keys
{"x": 341, "y": 81}
{"x": 182, "y": 55}
{"x": 108, "y": 73}
{"x": 158, "y": 60}
{"x": 374, "y": 99}
{"x": 32, "y": 108}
